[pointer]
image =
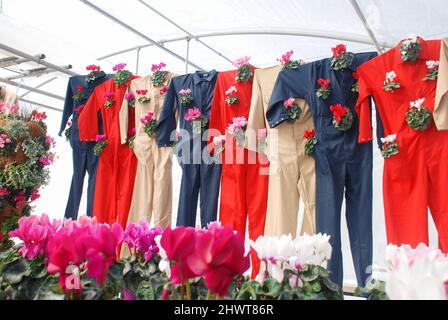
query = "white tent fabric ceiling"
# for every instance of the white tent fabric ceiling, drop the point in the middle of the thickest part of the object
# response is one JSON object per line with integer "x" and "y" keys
{"x": 73, "y": 32}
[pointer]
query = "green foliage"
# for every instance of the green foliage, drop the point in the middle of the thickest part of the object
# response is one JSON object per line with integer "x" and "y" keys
{"x": 21, "y": 176}
{"x": 150, "y": 127}
{"x": 345, "y": 123}
{"x": 342, "y": 61}
{"x": 309, "y": 145}
{"x": 418, "y": 119}
{"x": 99, "y": 147}
{"x": 122, "y": 76}
{"x": 158, "y": 78}
{"x": 244, "y": 73}
{"x": 294, "y": 112}
{"x": 374, "y": 290}
{"x": 17, "y": 129}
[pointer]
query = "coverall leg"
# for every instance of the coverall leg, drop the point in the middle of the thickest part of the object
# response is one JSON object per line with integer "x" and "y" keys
{"x": 209, "y": 192}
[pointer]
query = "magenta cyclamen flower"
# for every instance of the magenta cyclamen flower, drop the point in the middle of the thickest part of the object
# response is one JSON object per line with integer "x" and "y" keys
{"x": 241, "y": 61}
{"x": 147, "y": 118}
{"x": 34, "y": 194}
{"x": 286, "y": 57}
{"x": 35, "y": 232}
{"x": 141, "y": 239}
{"x": 129, "y": 96}
{"x": 185, "y": 92}
{"x": 93, "y": 67}
{"x": 100, "y": 137}
{"x": 50, "y": 141}
{"x": 158, "y": 67}
{"x": 119, "y": 67}
{"x": 109, "y": 95}
{"x": 4, "y": 191}
{"x": 289, "y": 102}
{"x": 193, "y": 114}
{"x": 46, "y": 161}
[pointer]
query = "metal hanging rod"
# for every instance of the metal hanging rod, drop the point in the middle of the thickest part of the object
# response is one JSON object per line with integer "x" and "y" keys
{"x": 369, "y": 31}
{"x": 299, "y": 33}
{"x": 36, "y": 60}
{"x": 192, "y": 36}
{"x": 36, "y": 72}
{"x": 12, "y": 61}
{"x": 42, "y": 92}
{"x": 141, "y": 35}
{"x": 39, "y": 86}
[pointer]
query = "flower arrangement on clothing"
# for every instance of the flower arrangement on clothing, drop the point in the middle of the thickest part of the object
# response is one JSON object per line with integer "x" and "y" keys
{"x": 408, "y": 273}
{"x": 390, "y": 146}
{"x": 163, "y": 90}
{"x": 149, "y": 123}
{"x": 418, "y": 116}
{"x": 199, "y": 123}
{"x": 186, "y": 98}
{"x": 237, "y": 129}
{"x": 355, "y": 86}
{"x": 389, "y": 83}
{"x": 231, "y": 97}
{"x": 323, "y": 90}
{"x": 311, "y": 141}
{"x": 121, "y": 74}
{"x": 341, "y": 58}
{"x": 94, "y": 73}
{"x": 244, "y": 72}
{"x": 142, "y": 98}
{"x": 410, "y": 49}
{"x": 219, "y": 145}
{"x": 101, "y": 143}
{"x": 158, "y": 76}
{"x": 292, "y": 269}
{"x": 79, "y": 108}
{"x": 288, "y": 63}
{"x": 433, "y": 70}
{"x": 25, "y": 154}
{"x": 131, "y": 135}
{"x": 80, "y": 95}
{"x": 110, "y": 99}
{"x": 130, "y": 99}
{"x": 67, "y": 130}
{"x": 292, "y": 109}
{"x": 261, "y": 139}
{"x": 342, "y": 117}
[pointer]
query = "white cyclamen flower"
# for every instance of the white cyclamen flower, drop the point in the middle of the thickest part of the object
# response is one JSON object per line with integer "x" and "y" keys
{"x": 231, "y": 90}
{"x": 432, "y": 64}
{"x": 417, "y": 103}
{"x": 389, "y": 139}
{"x": 390, "y": 76}
{"x": 219, "y": 139}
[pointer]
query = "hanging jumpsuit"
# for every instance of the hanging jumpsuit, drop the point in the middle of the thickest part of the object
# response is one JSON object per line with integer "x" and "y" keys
{"x": 291, "y": 172}
{"x": 117, "y": 163}
{"x": 84, "y": 160}
{"x": 153, "y": 188}
{"x": 342, "y": 166}
{"x": 245, "y": 174}
{"x": 416, "y": 178}
{"x": 200, "y": 176}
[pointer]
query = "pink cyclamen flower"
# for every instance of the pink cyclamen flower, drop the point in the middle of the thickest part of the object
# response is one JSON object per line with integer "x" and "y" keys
{"x": 219, "y": 139}
{"x": 147, "y": 118}
{"x": 141, "y": 238}
{"x": 35, "y": 232}
{"x": 185, "y": 92}
{"x": 50, "y": 141}
{"x": 4, "y": 191}
{"x": 34, "y": 194}
{"x": 193, "y": 114}
{"x": 288, "y": 103}
{"x": 119, "y": 67}
{"x": 129, "y": 96}
{"x": 262, "y": 134}
{"x": 158, "y": 67}
{"x": 239, "y": 122}
{"x": 142, "y": 92}
{"x": 286, "y": 58}
{"x": 100, "y": 137}
{"x": 109, "y": 95}
{"x": 93, "y": 67}
{"x": 47, "y": 160}
{"x": 241, "y": 61}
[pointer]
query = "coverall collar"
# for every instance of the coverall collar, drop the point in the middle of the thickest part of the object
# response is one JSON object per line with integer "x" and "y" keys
{"x": 199, "y": 76}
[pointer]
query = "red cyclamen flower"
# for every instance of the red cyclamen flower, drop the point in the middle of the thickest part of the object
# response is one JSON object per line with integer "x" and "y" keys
{"x": 340, "y": 49}
{"x": 324, "y": 83}
{"x": 309, "y": 134}
{"x": 338, "y": 111}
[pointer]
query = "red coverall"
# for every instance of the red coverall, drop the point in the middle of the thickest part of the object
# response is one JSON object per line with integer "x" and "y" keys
{"x": 244, "y": 185}
{"x": 117, "y": 163}
{"x": 416, "y": 177}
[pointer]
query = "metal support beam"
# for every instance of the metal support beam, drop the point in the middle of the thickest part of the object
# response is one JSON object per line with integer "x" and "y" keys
{"x": 141, "y": 35}
{"x": 19, "y": 85}
{"x": 363, "y": 19}
{"x": 12, "y": 61}
{"x": 280, "y": 32}
{"x": 184, "y": 30}
{"x": 40, "y": 85}
{"x": 35, "y": 73}
{"x": 40, "y": 105}
{"x": 187, "y": 55}
{"x": 36, "y": 60}
{"x": 138, "y": 59}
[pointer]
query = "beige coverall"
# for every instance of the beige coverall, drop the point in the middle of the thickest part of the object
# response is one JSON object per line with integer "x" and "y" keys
{"x": 291, "y": 172}
{"x": 7, "y": 96}
{"x": 152, "y": 196}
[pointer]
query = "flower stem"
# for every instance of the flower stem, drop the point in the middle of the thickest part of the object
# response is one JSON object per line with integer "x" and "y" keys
{"x": 209, "y": 295}
{"x": 187, "y": 286}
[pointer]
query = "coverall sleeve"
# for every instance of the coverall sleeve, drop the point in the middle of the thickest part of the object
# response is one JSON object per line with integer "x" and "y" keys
{"x": 216, "y": 113}
{"x": 441, "y": 100}
{"x": 68, "y": 107}
{"x": 286, "y": 86}
{"x": 256, "y": 119}
{"x": 167, "y": 121}
{"x": 88, "y": 119}
{"x": 123, "y": 119}
{"x": 364, "y": 109}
